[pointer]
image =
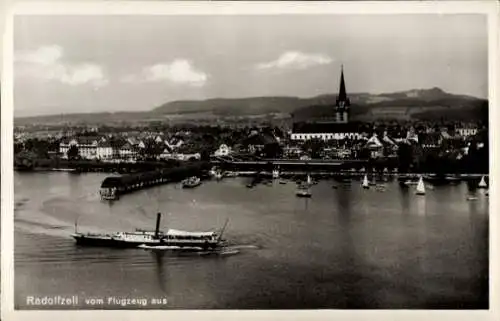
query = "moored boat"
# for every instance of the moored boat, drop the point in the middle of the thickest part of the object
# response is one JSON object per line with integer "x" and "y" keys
{"x": 452, "y": 179}
{"x": 410, "y": 182}
{"x": 69, "y": 170}
{"x": 191, "y": 182}
{"x": 213, "y": 171}
{"x": 230, "y": 174}
{"x": 303, "y": 192}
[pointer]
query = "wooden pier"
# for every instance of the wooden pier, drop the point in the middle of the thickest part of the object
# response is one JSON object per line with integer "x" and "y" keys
{"x": 113, "y": 187}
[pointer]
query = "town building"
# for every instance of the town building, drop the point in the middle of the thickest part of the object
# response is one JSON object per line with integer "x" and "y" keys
{"x": 88, "y": 147}
{"x": 466, "y": 131}
{"x": 381, "y": 146}
{"x": 128, "y": 151}
{"x": 223, "y": 150}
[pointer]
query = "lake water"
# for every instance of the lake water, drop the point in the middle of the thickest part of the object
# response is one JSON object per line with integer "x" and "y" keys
{"x": 345, "y": 248}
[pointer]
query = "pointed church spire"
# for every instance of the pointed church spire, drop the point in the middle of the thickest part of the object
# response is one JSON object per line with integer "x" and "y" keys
{"x": 342, "y": 100}
{"x": 342, "y": 93}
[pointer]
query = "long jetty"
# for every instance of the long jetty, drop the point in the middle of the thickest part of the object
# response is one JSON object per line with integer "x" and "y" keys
{"x": 127, "y": 183}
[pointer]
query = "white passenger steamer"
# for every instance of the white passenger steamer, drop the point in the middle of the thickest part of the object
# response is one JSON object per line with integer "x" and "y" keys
{"x": 175, "y": 239}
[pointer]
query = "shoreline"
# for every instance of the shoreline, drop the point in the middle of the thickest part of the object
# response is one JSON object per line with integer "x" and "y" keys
{"x": 287, "y": 173}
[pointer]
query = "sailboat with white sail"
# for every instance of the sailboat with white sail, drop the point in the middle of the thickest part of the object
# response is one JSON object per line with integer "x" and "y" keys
{"x": 308, "y": 183}
{"x": 420, "y": 187}
{"x": 482, "y": 183}
{"x": 365, "y": 183}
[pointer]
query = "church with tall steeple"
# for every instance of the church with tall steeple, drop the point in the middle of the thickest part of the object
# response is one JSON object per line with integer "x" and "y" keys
{"x": 342, "y": 105}
{"x": 335, "y": 126}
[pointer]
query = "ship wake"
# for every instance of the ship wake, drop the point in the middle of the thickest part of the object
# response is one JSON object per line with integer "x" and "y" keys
{"x": 198, "y": 251}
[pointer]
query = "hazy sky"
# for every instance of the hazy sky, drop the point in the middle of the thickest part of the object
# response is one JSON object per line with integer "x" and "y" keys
{"x": 69, "y": 64}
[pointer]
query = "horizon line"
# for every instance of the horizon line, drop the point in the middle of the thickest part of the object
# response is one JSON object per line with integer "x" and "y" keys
{"x": 239, "y": 98}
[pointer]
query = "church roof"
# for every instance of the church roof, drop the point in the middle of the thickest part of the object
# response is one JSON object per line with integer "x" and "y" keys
{"x": 373, "y": 142}
{"x": 309, "y": 128}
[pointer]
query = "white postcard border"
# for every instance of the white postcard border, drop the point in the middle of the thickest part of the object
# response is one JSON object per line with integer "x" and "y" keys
{"x": 489, "y": 8}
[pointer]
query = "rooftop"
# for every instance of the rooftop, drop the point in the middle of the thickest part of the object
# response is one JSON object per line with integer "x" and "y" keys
{"x": 325, "y": 127}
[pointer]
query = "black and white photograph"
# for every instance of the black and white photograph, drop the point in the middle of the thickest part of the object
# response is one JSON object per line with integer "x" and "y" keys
{"x": 251, "y": 161}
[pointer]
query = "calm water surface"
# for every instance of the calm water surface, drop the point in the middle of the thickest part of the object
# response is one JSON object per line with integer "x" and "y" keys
{"x": 343, "y": 248}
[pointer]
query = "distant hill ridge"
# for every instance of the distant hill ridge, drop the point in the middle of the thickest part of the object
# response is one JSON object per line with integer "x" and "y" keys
{"x": 364, "y": 105}
{"x": 415, "y": 103}
{"x": 259, "y": 105}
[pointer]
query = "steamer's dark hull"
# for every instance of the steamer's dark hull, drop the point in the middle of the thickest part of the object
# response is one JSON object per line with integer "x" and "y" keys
{"x": 191, "y": 185}
{"x": 116, "y": 243}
